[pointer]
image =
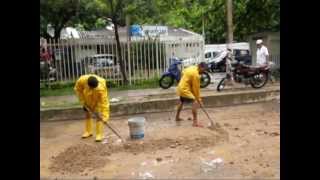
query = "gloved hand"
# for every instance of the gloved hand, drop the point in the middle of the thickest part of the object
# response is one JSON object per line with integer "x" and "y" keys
{"x": 86, "y": 108}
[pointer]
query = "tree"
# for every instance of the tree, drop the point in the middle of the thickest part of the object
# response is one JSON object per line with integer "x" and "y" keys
{"x": 249, "y": 16}
{"x": 60, "y": 13}
{"x": 117, "y": 10}
{"x": 57, "y": 13}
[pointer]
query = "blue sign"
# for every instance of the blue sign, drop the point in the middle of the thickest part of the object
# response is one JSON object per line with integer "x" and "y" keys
{"x": 135, "y": 30}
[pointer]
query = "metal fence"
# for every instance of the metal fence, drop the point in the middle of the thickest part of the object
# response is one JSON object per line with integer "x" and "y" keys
{"x": 143, "y": 59}
{"x": 276, "y": 60}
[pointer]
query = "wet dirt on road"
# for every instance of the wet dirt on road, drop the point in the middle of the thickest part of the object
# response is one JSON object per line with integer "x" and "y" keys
{"x": 248, "y": 144}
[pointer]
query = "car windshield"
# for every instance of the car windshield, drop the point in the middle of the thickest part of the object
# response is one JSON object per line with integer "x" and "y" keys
{"x": 215, "y": 54}
{"x": 103, "y": 61}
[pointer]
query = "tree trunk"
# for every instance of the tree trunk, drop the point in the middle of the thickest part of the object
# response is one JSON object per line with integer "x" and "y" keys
{"x": 57, "y": 33}
{"x": 229, "y": 23}
{"x": 122, "y": 68}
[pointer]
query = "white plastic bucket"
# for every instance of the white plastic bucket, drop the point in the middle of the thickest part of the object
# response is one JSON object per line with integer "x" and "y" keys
{"x": 136, "y": 127}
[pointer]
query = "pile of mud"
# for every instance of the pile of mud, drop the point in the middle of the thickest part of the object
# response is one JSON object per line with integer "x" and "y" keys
{"x": 78, "y": 158}
{"x": 83, "y": 157}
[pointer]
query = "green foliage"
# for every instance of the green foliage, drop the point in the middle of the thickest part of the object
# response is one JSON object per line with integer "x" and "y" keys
{"x": 249, "y": 16}
{"x": 61, "y": 13}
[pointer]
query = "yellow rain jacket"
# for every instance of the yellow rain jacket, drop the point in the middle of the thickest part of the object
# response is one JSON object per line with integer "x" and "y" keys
{"x": 189, "y": 85}
{"x": 96, "y": 99}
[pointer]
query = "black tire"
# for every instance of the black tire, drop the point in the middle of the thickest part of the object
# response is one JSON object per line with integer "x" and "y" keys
{"x": 205, "y": 80}
{"x": 166, "y": 81}
{"x": 259, "y": 80}
{"x": 222, "y": 68}
{"x": 222, "y": 84}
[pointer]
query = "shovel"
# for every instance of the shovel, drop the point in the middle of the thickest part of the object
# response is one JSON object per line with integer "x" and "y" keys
{"x": 114, "y": 131}
{"x": 108, "y": 125}
{"x": 212, "y": 125}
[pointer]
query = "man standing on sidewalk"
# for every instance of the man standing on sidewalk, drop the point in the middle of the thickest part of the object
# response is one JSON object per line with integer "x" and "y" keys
{"x": 189, "y": 90}
{"x": 263, "y": 57}
{"x": 93, "y": 95}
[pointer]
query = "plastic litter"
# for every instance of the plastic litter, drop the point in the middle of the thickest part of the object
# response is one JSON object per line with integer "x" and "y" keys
{"x": 211, "y": 165}
{"x": 114, "y": 100}
{"x": 211, "y": 152}
{"x": 146, "y": 175}
{"x": 105, "y": 141}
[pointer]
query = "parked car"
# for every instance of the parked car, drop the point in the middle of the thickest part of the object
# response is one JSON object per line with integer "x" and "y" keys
{"x": 242, "y": 55}
{"x": 103, "y": 64}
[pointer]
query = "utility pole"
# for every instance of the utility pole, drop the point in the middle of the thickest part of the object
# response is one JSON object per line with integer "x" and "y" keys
{"x": 203, "y": 33}
{"x": 229, "y": 39}
{"x": 128, "y": 46}
{"x": 229, "y": 23}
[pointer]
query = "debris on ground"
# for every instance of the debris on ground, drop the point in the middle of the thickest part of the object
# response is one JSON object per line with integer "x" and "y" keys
{"x": 159, "y": 159}
{"x": 227, "y": 124}
{"x": 105, "y": 141}
{"x": 210, "y": 165}
{"x": 79, "y": 158}
{"x": 146, "y": 175}
{"x": 113, "y": 100}
{"x": 274, "y": 134}
{"x": 172, "y": 146}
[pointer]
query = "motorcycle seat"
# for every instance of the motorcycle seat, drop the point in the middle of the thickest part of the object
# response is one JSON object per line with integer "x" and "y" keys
{"x": 253, "y": 66}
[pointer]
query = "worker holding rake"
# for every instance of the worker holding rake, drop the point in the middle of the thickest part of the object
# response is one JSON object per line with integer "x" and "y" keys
{"x": 189, "y": 91}
{"x": 93, "y": 95}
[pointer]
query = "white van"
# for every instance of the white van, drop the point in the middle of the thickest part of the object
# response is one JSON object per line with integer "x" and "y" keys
{"x": 212, "y": 52}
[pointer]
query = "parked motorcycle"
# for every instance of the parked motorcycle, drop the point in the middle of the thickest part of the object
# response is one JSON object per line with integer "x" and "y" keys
{"x": 174, "y": 74}
{"x": 257, "y": 77}
{"x": 47, "y": 72}
{"x": 218, "y": 63}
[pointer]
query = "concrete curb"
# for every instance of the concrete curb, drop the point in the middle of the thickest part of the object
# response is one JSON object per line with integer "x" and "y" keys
{"x": 166, "y": 104}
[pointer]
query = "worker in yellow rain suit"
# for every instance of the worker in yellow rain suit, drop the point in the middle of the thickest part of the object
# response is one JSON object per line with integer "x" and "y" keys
{"x": 189, "y": 90}
{"x": 93, "y": 95}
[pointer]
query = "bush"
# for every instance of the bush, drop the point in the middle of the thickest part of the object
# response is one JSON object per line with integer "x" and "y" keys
{"x": 57, "y": 85}
{"x": 276, "y": 73}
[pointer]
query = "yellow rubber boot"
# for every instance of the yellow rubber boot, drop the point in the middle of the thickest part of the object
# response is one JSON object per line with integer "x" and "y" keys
{"x": 99, "y": 131}
{"x": 88, "y": 128}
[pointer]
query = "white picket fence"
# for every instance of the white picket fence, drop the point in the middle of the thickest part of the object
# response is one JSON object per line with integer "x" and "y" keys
{"x": 143, "y": 59}
{"x": 276, "y": 60}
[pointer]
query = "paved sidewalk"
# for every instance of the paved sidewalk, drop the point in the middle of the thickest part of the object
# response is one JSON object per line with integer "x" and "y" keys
{"x": 134, "y": 95}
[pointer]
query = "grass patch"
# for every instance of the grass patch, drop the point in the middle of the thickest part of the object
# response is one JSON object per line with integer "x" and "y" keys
{"x": 276, "y": 73}
{"x": 62, "y": 89}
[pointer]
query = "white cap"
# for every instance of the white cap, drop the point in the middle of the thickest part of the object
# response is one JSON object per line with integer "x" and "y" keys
{"x": 259, "y": 41}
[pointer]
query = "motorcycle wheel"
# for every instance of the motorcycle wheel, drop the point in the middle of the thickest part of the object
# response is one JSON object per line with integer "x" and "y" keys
{"x": 166, "y": 81}
{"x": 222, "y": 84}
{"x": 259, "y": 80}
{"x": 205, "y": 80}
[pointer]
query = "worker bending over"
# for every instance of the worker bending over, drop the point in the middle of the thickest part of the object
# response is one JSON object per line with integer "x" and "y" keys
{"x": 93, "y": 95}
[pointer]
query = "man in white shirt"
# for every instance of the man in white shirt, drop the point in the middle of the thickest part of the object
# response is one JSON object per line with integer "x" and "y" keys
{"x": 263, "y": 56}
{"x": 262, "y": 53}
